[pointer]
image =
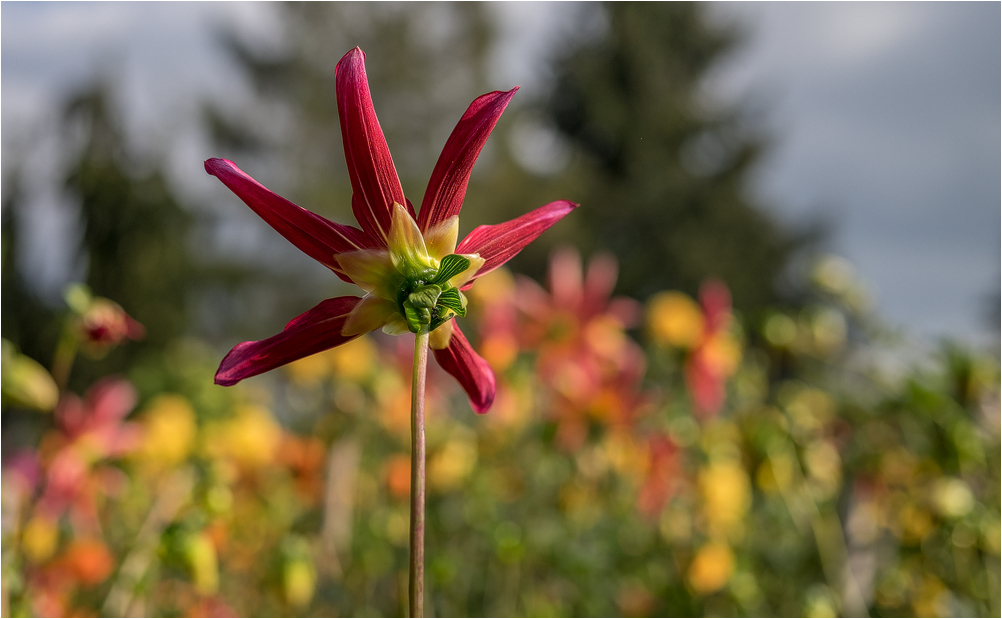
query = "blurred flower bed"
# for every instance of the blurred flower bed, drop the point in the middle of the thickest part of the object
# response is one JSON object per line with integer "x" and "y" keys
{"x": 667, "y": 458}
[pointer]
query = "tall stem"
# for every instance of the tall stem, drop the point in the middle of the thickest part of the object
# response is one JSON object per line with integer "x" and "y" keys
{"x": 66, "y": 352}
{"x": 416, "y": 588}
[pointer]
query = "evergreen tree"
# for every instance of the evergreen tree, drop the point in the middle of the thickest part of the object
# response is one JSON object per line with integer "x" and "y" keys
{"x": 661, "y": 174}
{"x": 135, "y": 232}
{"x": 27, "y": 321}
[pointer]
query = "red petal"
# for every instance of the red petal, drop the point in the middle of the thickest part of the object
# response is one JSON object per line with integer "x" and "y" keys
{"x": 716, "y": 301}
{"x": 599, "y": 282}
{"x": 374, "y": 180}
{"x": 499, "y": 244}
{"x": 311, "y": 332}
{"x": 447, "y": 187}
{"x": 706, "y": 387}
{"x": 565, "y": 278}
{"x": 317, "y": 237}
{"x": 110, "y": 400}
{"x": 470, "y": 369}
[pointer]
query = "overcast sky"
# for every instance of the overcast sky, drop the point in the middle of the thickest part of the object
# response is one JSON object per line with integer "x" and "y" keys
{"x": 886, "y": 120}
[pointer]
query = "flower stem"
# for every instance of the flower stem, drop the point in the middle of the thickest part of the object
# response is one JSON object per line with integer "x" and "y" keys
{"x": 416, "y": 585}
{"x": 66, "y": 352}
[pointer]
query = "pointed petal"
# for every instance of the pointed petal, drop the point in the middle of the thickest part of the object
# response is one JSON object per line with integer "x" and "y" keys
{"x": 441, "y": 238}
{"x": 311, "y": 332}
{"x": 499, "y": 244}
{"x": 442, "y": 336}
{"x": 396, "y": 326}
{"x": 470, "y": 369}
{"x": 447, "y": 187}
{"x": 476, "y": 263}
{"x": 371, "y": 313}
{"x": 406, "y": 243}
{"x": 374, "y": 180}
{"x": 372, "y": 270}
{"x": 317, "y": 237}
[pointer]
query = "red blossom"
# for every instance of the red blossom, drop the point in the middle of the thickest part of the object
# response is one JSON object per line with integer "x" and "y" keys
{"x": 662, "y": 473}
{"x": 105, "y": 325}
{"x": 90, "y": 430}
{"x": 376, "y": 192}
{"x": 584, "y": 353}
{"x": 713, "y": 359}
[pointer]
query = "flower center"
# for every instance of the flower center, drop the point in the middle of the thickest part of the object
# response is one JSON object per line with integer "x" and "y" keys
{"x": 427, "y": 300}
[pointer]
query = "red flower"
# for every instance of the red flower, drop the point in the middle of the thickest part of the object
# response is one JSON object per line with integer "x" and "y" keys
{"x": 408, "y": 263}
{"x": 662, "y": 471}
{"x": 716, "y": 355}
{"x": 89, "y": 430}
{"x": 105, "y": 325}
{"x": 585, "y": 355}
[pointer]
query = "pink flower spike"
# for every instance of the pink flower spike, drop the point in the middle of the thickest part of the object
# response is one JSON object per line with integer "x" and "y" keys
{"x": 316, "y": 236}
{"x": 374, "y": 182}
{"x": 311, "y": 332}
{"x": 447, "y": 187}
{"x": 470, "y": 369}
{"x": 500, "y": 243}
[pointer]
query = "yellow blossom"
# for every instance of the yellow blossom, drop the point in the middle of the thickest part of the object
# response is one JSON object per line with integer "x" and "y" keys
{"x": 311, "y": 370}
{"x": 300, "y": 580}
{"x": 170, "y": 427}
{"x": 726, "y": 495}
{"x": 39, "y": 539}
{"x": 722, "y": 354}
{"x": 202, "y": 560}
{"x": 675, "y": 319}
{"x": 355, "y": 360}
{"x": 251, "y": 437}
{"x": 952, "y": 497}
{"x": 711, "y": 568}
{"x": 450, "y": 466}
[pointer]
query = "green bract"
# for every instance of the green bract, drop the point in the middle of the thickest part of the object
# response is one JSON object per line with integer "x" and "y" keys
{"x": 427, "y": 306}
{"x": 413, "y": 284}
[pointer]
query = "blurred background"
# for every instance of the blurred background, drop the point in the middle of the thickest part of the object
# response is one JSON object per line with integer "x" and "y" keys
{"x": 764, "y": 381}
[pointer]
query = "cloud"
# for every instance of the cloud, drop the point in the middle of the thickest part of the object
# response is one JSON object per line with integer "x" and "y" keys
{"x": 888, "y": 118}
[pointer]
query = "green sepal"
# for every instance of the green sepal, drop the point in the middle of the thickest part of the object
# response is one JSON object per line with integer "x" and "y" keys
{"x": 425, "y": 297}
{"x": 454, "y": 300}
{"x": 450, "y": 266}
{"x": 440, "y": 316}
{"x": 418, "y": 318}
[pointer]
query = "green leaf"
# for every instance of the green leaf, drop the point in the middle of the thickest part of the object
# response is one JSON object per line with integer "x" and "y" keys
{"x": 425, "y": 297}
{"x": 454, "y": 300}
{"x": 450, "y": 266}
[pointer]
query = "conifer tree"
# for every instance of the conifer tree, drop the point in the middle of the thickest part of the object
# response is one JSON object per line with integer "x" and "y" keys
{"x": 661, "y": 173}
{"x": 135, "y": 233}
